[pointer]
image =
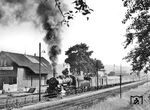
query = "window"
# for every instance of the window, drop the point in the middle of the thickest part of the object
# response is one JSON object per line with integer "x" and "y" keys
{"x": 12, "y": 80}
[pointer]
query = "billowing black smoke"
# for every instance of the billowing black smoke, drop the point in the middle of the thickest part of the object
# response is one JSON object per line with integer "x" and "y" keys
{"x": 50, "y": 18}
{"x": 42, "y": 13}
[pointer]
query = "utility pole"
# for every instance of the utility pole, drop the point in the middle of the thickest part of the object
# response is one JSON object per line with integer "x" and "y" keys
{"x": 39, "y": 71}
{"x": 120, "y": 80}
{"x": 97, "y": 72}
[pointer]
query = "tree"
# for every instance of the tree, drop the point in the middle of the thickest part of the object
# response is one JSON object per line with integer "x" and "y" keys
{"x": 111, "y": 73}
{"x": 80, "y": 6}
{"x": 138, "y": 33}
{"x": 96, "y": 65}
{"x": 79, "y": 59}
{"x": 99, "y": 65}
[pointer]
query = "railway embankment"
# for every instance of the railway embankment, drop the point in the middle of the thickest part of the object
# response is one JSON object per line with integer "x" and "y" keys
{"x": 81, "y": 100}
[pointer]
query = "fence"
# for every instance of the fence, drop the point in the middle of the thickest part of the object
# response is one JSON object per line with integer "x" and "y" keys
{"x": 17, "y": 102}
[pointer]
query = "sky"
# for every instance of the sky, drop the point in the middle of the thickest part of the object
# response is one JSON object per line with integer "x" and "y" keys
{"x": 103, "y": 33}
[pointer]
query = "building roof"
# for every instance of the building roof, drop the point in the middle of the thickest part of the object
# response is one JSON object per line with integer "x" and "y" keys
{"x": 30, "y": 61}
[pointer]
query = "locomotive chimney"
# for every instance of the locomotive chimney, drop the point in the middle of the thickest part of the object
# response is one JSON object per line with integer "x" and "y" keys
{"x": 54, "y": 72}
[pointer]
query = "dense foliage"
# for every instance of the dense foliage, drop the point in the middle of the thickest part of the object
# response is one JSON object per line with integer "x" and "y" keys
{"x": 79, "y": 59}
{"x": 138, "y": 33}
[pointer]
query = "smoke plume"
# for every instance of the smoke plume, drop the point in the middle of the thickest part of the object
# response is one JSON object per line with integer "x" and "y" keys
{"x": 42, "y": 13}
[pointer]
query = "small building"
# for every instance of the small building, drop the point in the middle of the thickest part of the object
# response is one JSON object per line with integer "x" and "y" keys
{"x": 22, "y": 71}
{"x": 102, "y": 78}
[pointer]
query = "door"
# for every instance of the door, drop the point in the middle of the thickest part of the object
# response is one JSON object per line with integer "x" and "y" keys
{"x": 1, "y": 83}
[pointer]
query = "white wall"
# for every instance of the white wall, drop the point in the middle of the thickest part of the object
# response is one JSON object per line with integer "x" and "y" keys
{"x": 10, "y": 88}
{"x": 24, "y": 81}
{"x": 20, "y": 75}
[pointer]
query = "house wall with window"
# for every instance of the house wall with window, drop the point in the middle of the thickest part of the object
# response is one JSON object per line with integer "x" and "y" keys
{"x": 26, "y": 79}
{"x": 8, "y": 71}
{"x": 18, "y": 72}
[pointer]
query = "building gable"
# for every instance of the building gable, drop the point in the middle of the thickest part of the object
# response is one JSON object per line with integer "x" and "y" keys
{"x": 31, "y": 62}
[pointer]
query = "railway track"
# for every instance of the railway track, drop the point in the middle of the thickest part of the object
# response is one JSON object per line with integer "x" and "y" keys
{"x": 82, "y": 100}
{"x": 26, "y": 100}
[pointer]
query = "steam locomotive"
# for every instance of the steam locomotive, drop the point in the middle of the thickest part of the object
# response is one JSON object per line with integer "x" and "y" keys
{"x": 55, "y": 84}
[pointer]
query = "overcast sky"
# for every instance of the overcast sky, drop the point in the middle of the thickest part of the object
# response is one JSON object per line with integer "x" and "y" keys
{"x": 103, "y": 33}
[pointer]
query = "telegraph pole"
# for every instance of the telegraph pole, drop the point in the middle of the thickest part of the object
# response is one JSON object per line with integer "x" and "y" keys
{"x": 97, "y": 72}
{"x": 120, "y": 80}
{"x": 39, "y": 71}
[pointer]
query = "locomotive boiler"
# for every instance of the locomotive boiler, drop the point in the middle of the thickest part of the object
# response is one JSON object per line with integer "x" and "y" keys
{"x": 55, "y": 84}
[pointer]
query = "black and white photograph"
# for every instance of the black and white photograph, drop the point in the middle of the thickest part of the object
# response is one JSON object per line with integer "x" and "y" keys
{"x": 74, "y": 54}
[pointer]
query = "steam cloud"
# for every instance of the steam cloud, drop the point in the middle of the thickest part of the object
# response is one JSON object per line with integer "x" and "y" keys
{"x": 41, "y": 13}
